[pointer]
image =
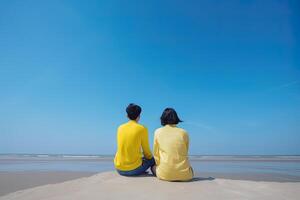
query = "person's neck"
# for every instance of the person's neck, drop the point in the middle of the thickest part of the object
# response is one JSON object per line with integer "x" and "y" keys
{"x": 172, "y": 125}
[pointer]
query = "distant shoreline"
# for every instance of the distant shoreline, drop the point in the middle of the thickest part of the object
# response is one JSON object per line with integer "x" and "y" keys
{"x": 270, "y": 158}
{"x": 264, "y": 167}
{"x": 107, "y": 155}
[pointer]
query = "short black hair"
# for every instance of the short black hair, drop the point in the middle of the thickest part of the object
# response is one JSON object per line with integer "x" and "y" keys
{"x": 133, "y": 111}
{"x": 169, "y": 116}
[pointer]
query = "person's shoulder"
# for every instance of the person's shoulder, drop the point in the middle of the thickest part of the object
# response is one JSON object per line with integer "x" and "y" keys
{"x": 141, "y": 127}
{"x": 126, "y": 124}
{"x": 158, "y": 131}
{"x": 122, "y": 126}
{"x": 182, "y": 131}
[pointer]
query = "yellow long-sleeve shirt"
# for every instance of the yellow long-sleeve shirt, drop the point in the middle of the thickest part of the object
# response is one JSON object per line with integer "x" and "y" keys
{"x": 132, "y": 138}
{"x": 171, "y": 146}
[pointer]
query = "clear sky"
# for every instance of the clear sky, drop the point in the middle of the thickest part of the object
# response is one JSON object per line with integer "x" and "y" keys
{"x": 68, "y": 69}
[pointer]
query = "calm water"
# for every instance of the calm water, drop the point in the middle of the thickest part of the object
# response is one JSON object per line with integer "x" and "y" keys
{"x": 267, "y": 168}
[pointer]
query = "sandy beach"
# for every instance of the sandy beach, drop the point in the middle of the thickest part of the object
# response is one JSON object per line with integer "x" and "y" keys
{"x": 109, "y": 185}
{"x": 63, "y": 177}
{"x": 15, "y": 181}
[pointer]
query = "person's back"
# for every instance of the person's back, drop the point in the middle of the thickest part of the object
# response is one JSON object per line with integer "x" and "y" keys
{"x": 133, "y": 143}
{"x": 131, "y": 137}
{"x": 171, "y": 146}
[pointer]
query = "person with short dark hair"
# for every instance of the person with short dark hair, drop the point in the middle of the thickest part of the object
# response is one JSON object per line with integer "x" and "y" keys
{"x": 131, "y": 138}
{"x": 171, "y": 145}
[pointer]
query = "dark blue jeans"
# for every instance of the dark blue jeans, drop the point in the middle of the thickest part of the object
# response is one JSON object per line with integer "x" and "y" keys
{"x": 140, "y": 170}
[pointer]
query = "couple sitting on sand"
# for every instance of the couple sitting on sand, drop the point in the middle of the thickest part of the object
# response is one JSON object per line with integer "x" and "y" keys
{"x": 171, "y": 144}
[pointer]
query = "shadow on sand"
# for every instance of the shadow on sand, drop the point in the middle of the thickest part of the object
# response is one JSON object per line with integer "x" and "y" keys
{"x": 202, "y": 179}
{"x": 195, "y": 179}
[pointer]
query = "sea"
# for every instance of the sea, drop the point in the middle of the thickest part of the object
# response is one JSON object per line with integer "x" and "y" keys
{"x": 279, "y": 168}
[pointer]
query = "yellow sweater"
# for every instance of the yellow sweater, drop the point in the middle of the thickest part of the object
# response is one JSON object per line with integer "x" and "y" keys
{"x": 171, "y": 146}
{"x": 131, "y": 138}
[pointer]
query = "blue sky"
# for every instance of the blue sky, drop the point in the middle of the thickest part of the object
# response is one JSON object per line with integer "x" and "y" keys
{"x": 69, "y": 68}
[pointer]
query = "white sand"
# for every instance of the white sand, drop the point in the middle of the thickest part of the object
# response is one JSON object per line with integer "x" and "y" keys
{"x": 110, "y": 185}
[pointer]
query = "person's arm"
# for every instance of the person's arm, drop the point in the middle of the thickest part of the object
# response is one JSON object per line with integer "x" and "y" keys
{"x": 187, "y": 141}
{"x": 117, "y": 138}
{"x": 145, "y": 144}
{"x": 156, "y": 150}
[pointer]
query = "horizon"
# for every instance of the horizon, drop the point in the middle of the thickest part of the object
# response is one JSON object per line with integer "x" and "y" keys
{"x": 231, "y": 70}
{"x": 114, "y": 154}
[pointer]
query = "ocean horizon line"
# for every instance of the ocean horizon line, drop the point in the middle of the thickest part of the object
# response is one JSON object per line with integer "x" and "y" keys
{"x": 109, "y": 157}
{"x": 70, "y": 154}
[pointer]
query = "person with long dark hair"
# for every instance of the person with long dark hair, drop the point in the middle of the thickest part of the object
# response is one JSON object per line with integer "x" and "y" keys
{"x": 171, "y": 145}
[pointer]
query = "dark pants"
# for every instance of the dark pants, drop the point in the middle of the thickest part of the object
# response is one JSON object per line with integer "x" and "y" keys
{"x": 140, "y": 170}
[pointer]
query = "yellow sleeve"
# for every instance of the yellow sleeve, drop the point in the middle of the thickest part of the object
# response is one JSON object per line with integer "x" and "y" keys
{"x": 156, "y": 150}
{"x": 145, "y": 144}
